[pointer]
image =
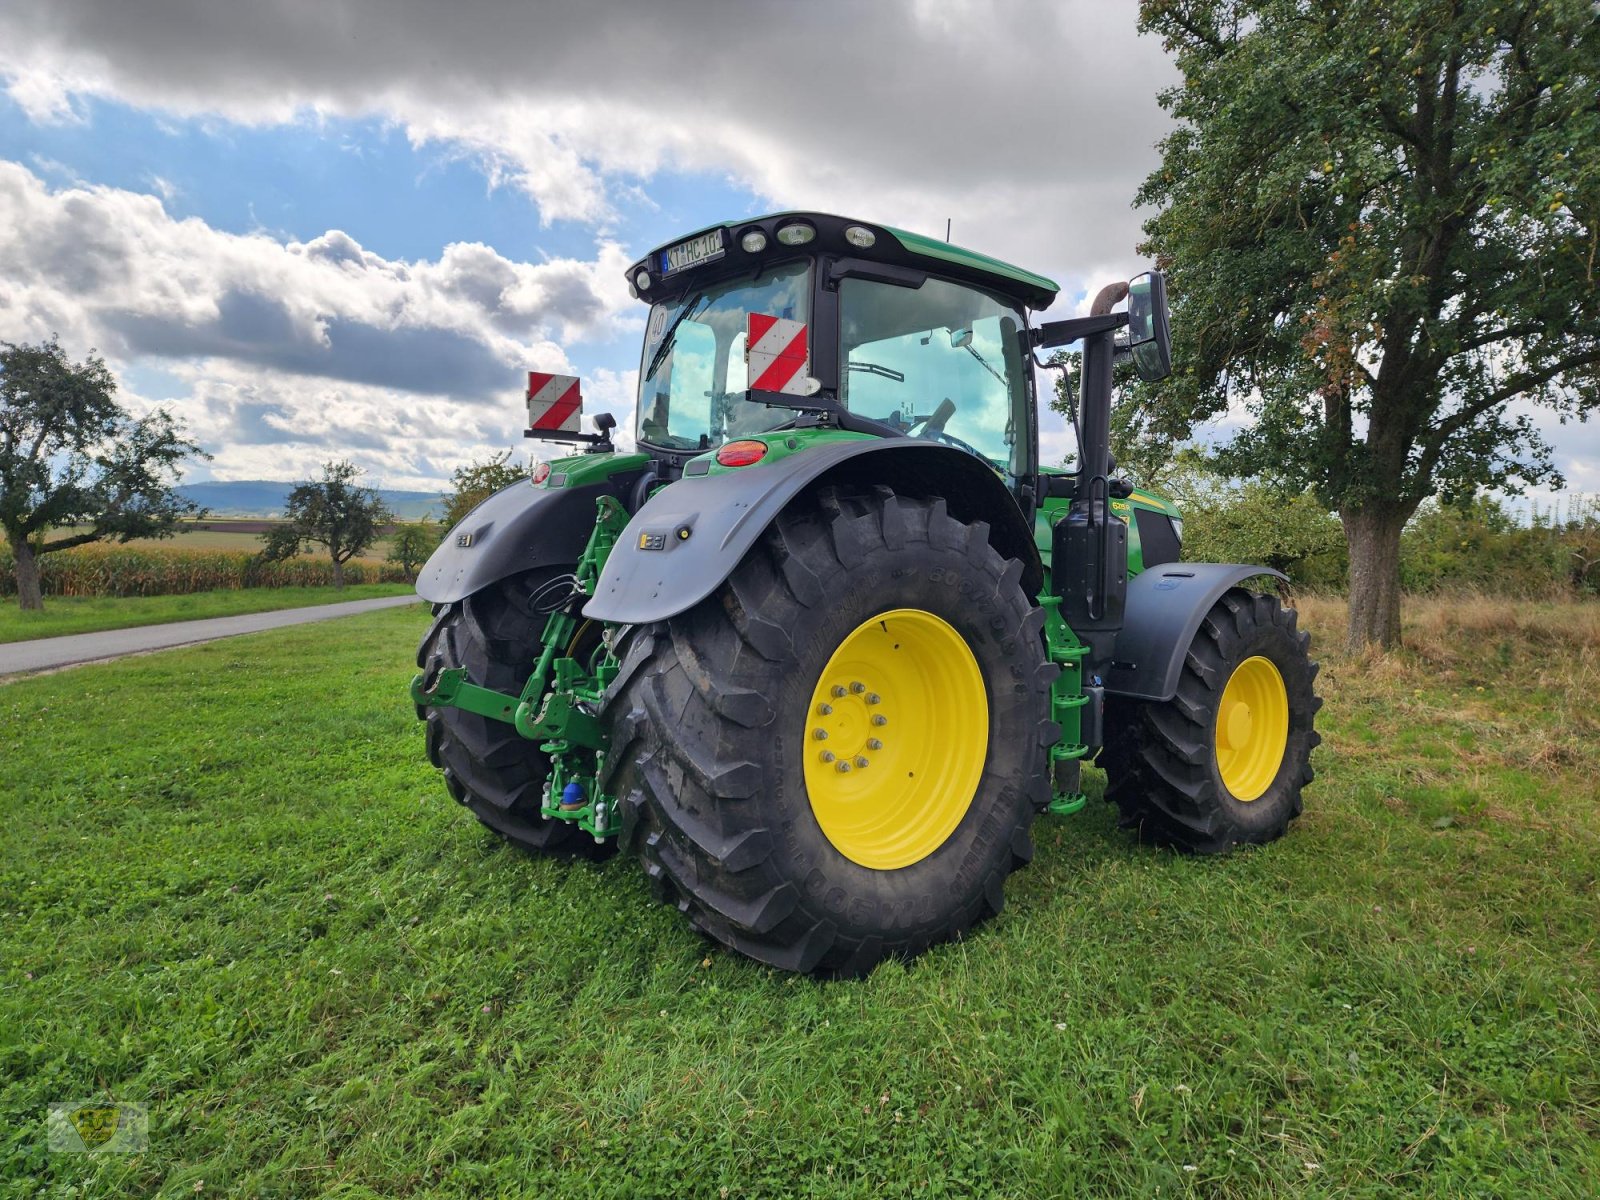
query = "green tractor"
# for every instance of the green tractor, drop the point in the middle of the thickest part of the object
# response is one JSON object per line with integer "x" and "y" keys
{"x": 821, "y": 649}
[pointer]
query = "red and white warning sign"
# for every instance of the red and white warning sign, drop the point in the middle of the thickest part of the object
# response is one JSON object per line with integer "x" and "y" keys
{"x": 554, "y": 402}
{"x": 778, "y": 355}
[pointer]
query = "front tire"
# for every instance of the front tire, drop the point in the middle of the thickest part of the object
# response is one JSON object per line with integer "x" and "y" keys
{"x": 868, "y": 605}
{"x": 1223, "y": 762}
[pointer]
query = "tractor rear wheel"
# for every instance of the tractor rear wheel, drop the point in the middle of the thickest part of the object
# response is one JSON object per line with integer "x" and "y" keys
{"x": 488, "y": 766}
{"x": 1222, "y": 763}
{"x": 837, "y": 756}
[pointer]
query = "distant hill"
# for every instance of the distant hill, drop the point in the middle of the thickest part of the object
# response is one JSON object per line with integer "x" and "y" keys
{"x": 265, "y": 498}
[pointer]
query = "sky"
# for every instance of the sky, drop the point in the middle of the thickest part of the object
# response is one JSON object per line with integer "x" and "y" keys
{"x": 323, "y": 229}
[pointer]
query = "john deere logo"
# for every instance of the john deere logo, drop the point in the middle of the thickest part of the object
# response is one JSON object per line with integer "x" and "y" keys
{"x": 98, "y": 1127}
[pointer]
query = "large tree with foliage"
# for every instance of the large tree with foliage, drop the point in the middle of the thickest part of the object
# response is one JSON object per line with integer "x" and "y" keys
{"x": 1380, "y": 221}
{"x": 476, "y": 482}
{"x": 336, "y": 512}
{"x": 74, "y": 460}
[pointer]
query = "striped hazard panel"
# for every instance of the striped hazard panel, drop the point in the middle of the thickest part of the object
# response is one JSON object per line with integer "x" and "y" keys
{"x": 554, "y": 402}
{"x": 778, "y": 354}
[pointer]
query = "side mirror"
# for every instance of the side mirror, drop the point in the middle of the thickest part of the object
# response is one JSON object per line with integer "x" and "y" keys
{"x": 960, "y": 338}
{"x": 1149, "y": 336}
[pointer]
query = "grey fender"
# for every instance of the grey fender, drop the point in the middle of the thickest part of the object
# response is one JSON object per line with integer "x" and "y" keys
{"x": 1165, "y": 607}
{"x": 518, "y": 527}
{"x": 688, "y": 538}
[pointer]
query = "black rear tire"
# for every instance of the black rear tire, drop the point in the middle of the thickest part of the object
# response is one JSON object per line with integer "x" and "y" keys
{"x": 709, "y": 723}
{"x": 1163, "y": 763}
{"x": 488, "y": 766}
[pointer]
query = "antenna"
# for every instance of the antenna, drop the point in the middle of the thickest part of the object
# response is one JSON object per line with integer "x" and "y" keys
{"x": 947, "y": 229}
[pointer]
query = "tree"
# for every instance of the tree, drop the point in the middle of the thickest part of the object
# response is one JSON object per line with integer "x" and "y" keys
{"x": 335, "y": 512}
{"x": 476, "y": 482}
{"x": 1380, "y": 223}
{"x": 411, "y": 545}
{"x": 72, "y": 458}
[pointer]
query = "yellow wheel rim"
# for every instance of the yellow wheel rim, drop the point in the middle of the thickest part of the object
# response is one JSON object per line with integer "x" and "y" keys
{"x": 895, "y": 739}
{"x": 1252, "y": 728}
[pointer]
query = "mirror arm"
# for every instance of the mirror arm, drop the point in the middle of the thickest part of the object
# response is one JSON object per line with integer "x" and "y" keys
{"x": 1064, "y": 333}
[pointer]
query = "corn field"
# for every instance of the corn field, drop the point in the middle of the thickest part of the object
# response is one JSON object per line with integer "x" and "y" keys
{"x": 144, "y": 571}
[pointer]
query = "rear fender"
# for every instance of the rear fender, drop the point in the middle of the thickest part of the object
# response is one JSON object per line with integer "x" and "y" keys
{"x": 688, "y": 538}
{"x": 519, "y": 527}
{"x": 1165, "y": 607}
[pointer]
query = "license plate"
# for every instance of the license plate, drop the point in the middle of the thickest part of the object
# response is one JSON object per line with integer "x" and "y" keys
{"x": 692, "y": 253}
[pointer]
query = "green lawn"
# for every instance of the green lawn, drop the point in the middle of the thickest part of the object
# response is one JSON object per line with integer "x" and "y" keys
{"x": 234, "y": 891}
{"x": 85, "y": 614}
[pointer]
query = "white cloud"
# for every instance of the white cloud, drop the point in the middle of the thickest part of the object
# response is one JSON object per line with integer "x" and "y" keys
{"x": 1028, "y": 125}
{"x": 293, "y": 351}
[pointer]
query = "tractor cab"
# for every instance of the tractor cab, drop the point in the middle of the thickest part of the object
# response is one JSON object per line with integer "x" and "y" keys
{"x": 858, "y": 327}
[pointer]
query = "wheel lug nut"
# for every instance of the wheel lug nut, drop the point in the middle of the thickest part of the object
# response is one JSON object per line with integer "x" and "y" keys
{"x": 858, "y": 688}
{"x": 879, "y": 719}
{"x": 839, "y": 691}
{"x": 820, "y": 734}
{"x": 827, "y": 756}
{"x": 873, "y": 697}
{"x": 874, "y": 744}
{"x": 844, "y": 768}
{"x": 862, "y": 761}
{"x": 824, "y": 710}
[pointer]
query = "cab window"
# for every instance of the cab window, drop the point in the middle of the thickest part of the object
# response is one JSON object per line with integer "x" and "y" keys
{"x": 942, "y": 362}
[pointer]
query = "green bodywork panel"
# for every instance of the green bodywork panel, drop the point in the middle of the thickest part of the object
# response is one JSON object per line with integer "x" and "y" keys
{"x": 578, "y": 470}
{"x": 780, "y": 446}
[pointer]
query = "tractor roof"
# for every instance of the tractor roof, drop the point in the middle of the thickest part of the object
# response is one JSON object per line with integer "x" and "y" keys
{"x": 888, "y": 244}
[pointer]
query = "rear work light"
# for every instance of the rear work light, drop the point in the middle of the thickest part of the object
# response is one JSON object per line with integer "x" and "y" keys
{"x": 741, "y": 454}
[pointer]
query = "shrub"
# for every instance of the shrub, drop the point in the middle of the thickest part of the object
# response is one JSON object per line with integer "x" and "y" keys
{"x": 1252, "y": 523}
{"x": 1479, "y": 546}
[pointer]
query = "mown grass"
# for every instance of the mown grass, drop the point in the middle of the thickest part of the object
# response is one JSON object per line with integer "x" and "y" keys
{"x": 234, "y": 891}
{"x": 86, "y": 614}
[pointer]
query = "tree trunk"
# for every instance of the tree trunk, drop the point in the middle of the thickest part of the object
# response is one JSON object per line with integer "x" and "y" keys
{"x": 1373, "y": 536}
{"x": 338, "y": 573}
{"x": 29, "y": 594}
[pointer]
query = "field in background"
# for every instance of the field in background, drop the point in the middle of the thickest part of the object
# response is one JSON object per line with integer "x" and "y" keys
{"x": 257, "y": 912}
{"x": 86, "y": 614}
{"x": 182, "y": 565}
{"x": 244, "y": 534}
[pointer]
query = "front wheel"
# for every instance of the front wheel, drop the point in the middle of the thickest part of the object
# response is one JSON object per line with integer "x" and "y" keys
{"x": 837, "y": 756}
{"x": 1222, "y": 763}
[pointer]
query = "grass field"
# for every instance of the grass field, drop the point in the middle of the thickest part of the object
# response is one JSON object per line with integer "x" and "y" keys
{"x": 234, "y": 891}
{"x": 84, "y": 614}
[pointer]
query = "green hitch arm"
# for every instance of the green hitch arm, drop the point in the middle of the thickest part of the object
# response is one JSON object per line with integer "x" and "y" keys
{"x": 451, "y": 690}
{"x": 558, "y": 716}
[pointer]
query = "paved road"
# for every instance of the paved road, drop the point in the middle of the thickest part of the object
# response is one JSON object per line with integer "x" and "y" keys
{"x": 44, "y": 654}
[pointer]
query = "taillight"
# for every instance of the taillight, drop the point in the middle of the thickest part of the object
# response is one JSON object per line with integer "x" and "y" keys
{"x": 741, "y": 454}
{"x": 541, "y": 472}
